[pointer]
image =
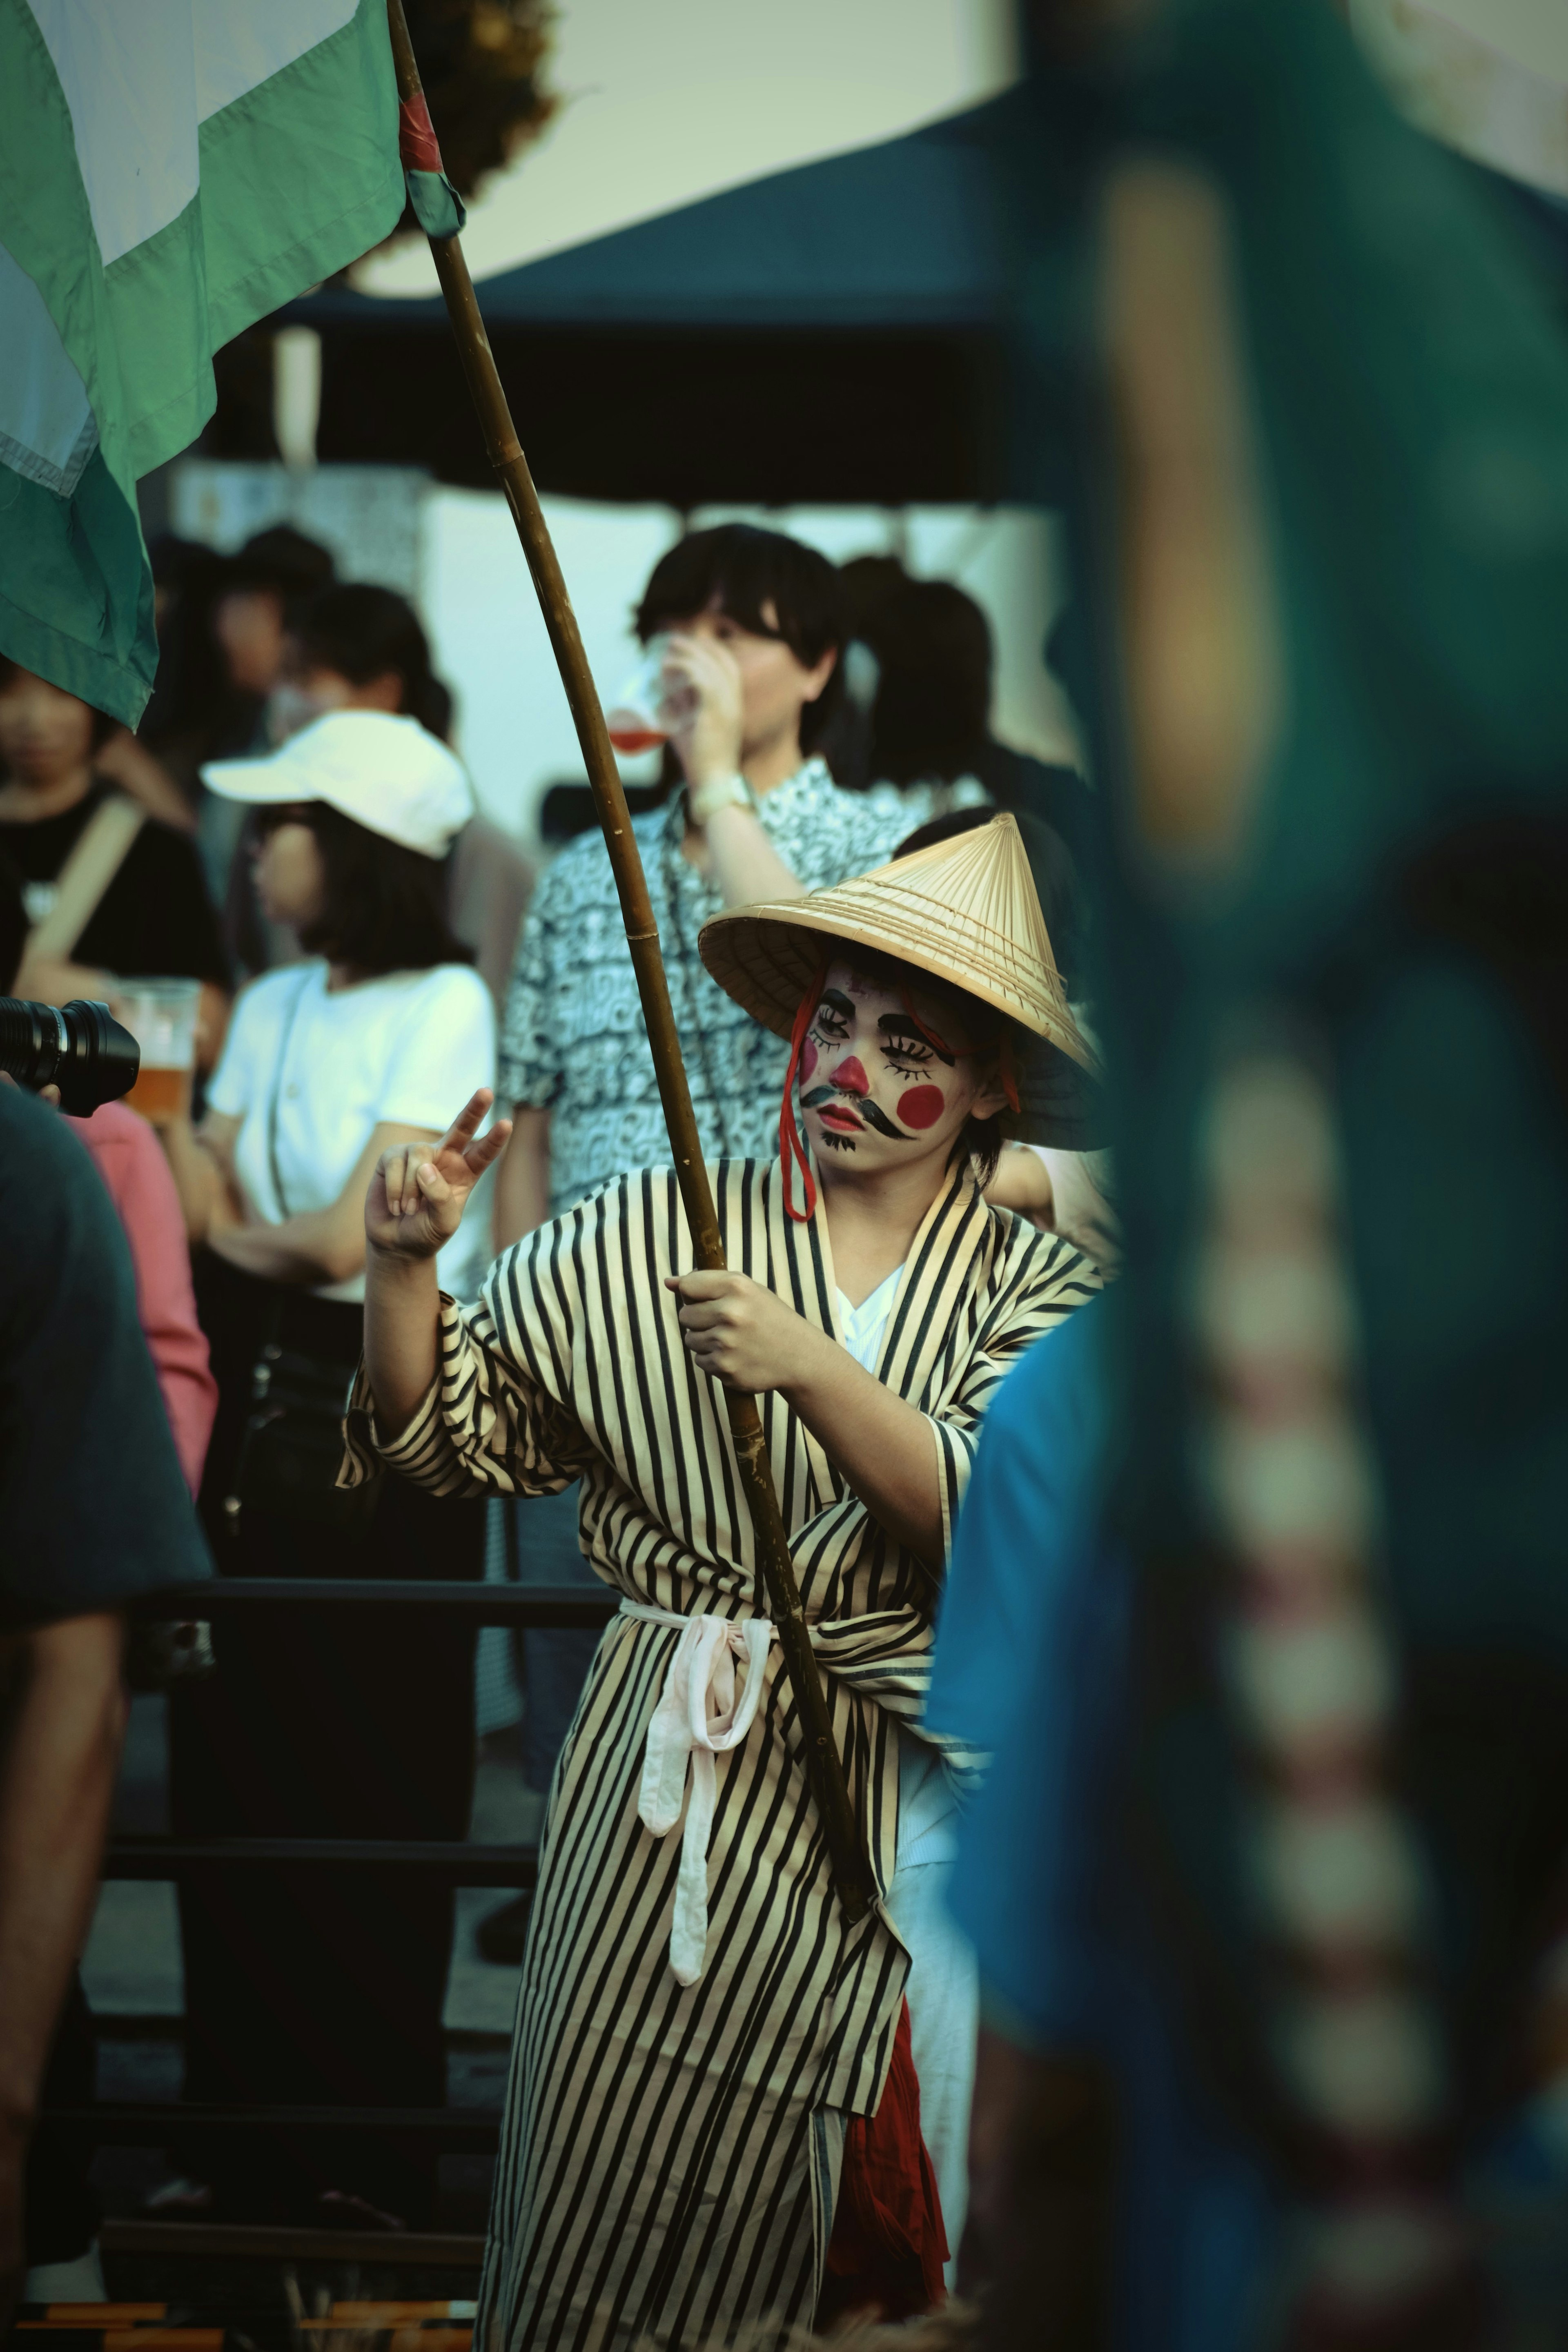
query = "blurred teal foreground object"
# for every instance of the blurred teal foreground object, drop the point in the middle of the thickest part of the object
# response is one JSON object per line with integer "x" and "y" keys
{"x": 1395, "y": 901}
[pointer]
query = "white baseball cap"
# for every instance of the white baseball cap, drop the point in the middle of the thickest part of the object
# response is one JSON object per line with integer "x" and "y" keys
{"x": 390, "y": 775}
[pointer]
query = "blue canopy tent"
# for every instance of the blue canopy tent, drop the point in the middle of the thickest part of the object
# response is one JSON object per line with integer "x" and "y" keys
{"x": 836, "y": 332}
{"x": 833, "y": 333}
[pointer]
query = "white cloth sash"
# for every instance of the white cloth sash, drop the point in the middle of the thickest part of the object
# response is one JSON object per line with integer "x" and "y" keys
{"x": 697, "y": 1717}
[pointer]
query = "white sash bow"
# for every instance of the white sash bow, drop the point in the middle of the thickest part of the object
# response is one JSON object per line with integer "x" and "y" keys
{"x": 697, "y": 1717}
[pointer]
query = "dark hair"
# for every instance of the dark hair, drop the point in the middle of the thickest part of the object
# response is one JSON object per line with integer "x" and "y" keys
{"x": 933, "y": 707}
{"x": 281, "y": 561}
{"x": 362, "y": 632}
{"x": 1058, "y": 884}
{"x": 192, "y": 696}
{"x": 869, "y": 583}
{"x": 385, "y": 906}
{"x": 103, "y": 726}
{"x": 13, "y": 924}
{"x": 987, "y": 1029}
{"x": 745, "y": 568}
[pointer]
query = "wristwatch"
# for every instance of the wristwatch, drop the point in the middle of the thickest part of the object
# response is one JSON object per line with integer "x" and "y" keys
{"x": 720, "y": 791}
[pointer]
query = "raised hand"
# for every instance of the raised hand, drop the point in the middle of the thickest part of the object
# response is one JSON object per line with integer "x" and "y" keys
{"x": 703, "y": 707}
{"x": 419, "y": 1191}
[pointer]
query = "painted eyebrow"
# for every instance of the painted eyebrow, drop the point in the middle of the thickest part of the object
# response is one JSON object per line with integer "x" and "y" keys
{"x": 839, "y": 1002}
{"x": 904, "y": 1024}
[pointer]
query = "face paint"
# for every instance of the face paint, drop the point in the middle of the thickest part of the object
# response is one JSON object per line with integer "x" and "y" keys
{"x": 860, "y": 1108}
{"x": 922, "y": 1106}
{"x": 864, "y": 1066}
{"x": 897, "y": 1031}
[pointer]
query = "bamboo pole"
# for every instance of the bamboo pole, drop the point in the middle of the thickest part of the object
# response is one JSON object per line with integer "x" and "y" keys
{"x": 825, "y": 1767}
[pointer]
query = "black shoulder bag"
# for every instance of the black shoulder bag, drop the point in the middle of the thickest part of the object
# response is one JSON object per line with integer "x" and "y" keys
{"x": 292, "y": 1445}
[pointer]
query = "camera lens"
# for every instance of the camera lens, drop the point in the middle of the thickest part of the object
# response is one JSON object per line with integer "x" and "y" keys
{"x": 80, "y": 1047}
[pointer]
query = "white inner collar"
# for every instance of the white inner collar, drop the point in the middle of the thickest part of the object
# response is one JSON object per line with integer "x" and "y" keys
{"x": 863, "y": 1326}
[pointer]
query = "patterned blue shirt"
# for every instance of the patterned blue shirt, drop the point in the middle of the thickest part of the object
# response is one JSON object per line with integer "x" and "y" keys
{"x": 573, "y": 1042}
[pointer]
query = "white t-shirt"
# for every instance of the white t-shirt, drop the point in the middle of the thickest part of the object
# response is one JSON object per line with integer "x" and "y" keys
{"x": 311, "y": 1071}
{"x": 928, "y": 1811}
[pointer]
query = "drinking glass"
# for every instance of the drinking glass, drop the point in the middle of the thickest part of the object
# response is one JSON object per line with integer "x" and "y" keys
{"x": 638, "y": 719}
{"x": 161, "y": 1014}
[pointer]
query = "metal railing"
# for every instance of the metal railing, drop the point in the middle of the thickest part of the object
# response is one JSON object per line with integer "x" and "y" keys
{"x": 146, "y": 2123}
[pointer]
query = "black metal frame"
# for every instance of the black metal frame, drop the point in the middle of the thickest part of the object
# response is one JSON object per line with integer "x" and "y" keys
{"x": 141, "y": 2124}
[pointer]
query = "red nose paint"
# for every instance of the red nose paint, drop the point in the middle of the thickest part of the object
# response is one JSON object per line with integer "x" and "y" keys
{"x": 807, "y": 1061}
{"x": 850, "y": 1078}
{"x": 921, "y": 1105}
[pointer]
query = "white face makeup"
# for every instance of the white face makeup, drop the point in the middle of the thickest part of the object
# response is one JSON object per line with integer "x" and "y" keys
{"x": 883, "y": 1086}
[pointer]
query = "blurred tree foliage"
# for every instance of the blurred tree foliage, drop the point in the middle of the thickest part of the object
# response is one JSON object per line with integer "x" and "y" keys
{"x": 482, "y": 64}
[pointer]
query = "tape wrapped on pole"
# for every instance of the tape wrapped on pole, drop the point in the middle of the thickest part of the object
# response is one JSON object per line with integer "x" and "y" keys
{"x": 825, "y": 1767}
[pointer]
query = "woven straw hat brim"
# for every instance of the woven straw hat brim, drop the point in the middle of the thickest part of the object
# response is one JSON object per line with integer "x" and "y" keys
{"x": 763, "y": 961}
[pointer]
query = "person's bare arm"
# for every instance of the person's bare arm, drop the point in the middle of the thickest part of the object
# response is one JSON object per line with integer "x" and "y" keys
{"x": 745, "y": 867}
{"x": 1058, "y": 1192}
{"x": 54, "y": 1791}
{"x": 138, "y": 771}
{"x": 55, "y": 980}
{"x": 522, "y": 1179}
{"x": 1022, "y": 1183}
{"x": 201, "y": 1161}
{"x": 413, "y": 1205}
{"x": 212, "y": 1024}
{"x": 322, "y": 1244}
{"x": 750, "y": 1339}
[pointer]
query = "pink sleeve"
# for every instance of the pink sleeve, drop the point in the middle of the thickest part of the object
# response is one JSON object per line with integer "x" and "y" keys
{"x": 131, "y": 1161}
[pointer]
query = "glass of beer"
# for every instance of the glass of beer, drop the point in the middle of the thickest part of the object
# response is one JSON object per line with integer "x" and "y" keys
{"x": 161, "y": 1014}
{"x": 638, "y": 717}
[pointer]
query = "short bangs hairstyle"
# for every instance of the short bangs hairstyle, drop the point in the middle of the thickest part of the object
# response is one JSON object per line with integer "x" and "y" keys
{"x": 744, "y": 568}
{"x": 987, "y": 1030}
{"x": 383, "y": 907}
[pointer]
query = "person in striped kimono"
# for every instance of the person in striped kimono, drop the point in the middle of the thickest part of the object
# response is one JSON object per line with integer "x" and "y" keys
{"x": 698, "y": 2027}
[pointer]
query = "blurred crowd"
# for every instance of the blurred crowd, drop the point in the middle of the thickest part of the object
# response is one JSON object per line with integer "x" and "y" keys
{"x": 291, "y": 834}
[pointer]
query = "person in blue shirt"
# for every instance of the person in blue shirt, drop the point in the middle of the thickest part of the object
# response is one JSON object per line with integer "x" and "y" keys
{"x": 1080, "y": 2050}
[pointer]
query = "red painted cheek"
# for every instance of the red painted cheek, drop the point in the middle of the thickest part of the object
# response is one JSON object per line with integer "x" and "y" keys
{"x": 807, "y": 1061}
{"x": 920, "y": 1106}
{"x": 850, "y": 1078}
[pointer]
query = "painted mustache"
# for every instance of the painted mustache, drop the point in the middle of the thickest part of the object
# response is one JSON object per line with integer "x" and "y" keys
{"x": 863, "y": 1108}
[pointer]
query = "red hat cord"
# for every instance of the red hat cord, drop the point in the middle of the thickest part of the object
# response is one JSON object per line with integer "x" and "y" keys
{"x": 792, "y": 1151}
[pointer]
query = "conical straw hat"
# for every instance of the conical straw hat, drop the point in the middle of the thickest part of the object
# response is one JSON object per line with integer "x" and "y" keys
{"x": 964, "y": 909}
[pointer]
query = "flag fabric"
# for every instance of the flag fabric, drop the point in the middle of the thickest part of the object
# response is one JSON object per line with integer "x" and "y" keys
{"x": 169, "y": 173}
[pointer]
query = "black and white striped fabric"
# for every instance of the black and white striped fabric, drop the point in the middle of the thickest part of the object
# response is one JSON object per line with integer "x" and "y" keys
{"x": 669, "y": 2153}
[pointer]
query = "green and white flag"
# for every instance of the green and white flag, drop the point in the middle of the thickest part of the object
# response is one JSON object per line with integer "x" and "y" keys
{"x": 170, "y": 171}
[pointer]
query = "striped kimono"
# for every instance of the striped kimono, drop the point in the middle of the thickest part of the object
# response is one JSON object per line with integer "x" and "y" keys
{"x": 669, "y": 2152}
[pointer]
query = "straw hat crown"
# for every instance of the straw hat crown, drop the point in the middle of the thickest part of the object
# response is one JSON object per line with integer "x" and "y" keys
{"x": 964, "y": 909}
